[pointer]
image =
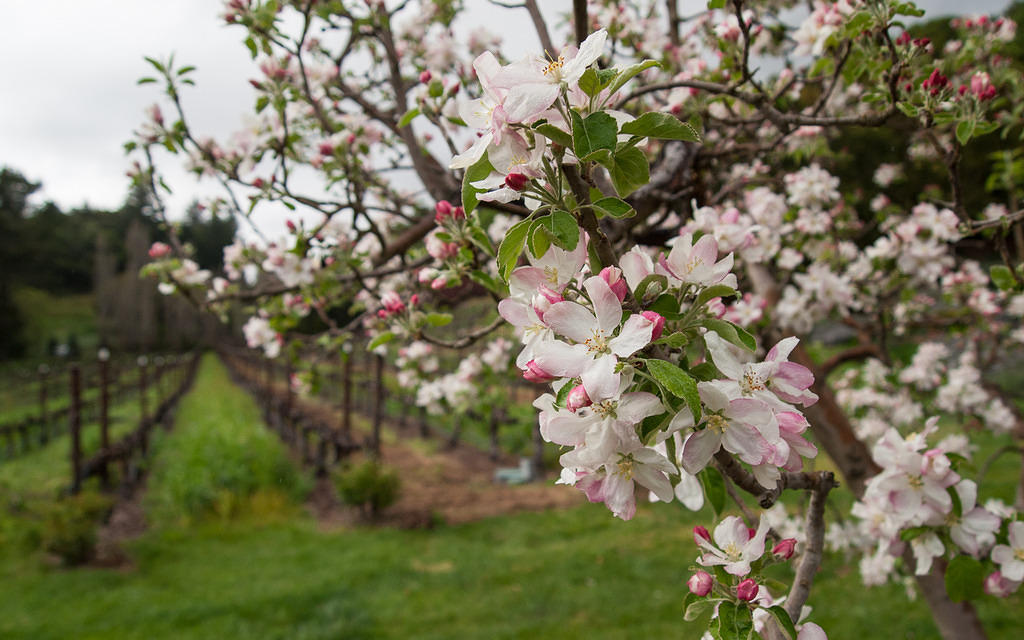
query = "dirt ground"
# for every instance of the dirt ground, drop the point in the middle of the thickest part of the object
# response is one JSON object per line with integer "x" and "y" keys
{"x": 445, "y": 485}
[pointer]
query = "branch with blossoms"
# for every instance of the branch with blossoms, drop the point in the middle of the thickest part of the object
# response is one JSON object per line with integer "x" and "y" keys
{"x": 643, "y": 212}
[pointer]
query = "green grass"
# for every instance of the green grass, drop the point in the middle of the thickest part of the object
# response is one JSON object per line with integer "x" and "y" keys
{"x": 219, "y": 457}
{"x": 49, "y": 316}
{"x": 265, "y": 573}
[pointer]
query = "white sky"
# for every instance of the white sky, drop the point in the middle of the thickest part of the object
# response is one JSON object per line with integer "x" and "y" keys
{"x": 69, "y": 98}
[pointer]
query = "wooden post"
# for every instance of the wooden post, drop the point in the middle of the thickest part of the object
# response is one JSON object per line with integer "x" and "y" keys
{"x": 378, "y": 403}
{"x": 453, "y": 440}
{"x": 75, "y": 426}
{"x": 44, "y": 418}
{"x": 321, "y": 452}
{"x": 143, "y": 405}
{"x": 104, "y": 412}
{"x": 424, "y": 425}
{"x": 346, "y": 383}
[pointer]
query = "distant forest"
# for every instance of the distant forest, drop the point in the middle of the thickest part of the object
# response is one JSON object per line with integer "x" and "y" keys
{"x": 94, "y": 251}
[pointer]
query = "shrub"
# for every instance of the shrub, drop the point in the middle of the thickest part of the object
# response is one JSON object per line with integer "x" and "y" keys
{"x": 369, "y": 485}
{"x": 69, "y": 527}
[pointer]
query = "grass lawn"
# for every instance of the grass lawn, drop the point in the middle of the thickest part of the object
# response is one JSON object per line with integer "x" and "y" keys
{"x": 269, "y": 573}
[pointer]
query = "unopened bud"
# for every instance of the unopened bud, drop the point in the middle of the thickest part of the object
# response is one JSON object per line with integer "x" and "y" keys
{"x": 784, "y": 549}
{"x": 578, "y": 398}
{"x": 700, "y": 583}
{"x": 442, "y": 210}
{"x": 425, "y": 77}
{"x": 700, "y": 534}
{"x": 516, "y": 181}
{"x": 534, "y": 373}
{"x": 747, "y": 590}
{"x": 657, "y": 320}
{"x": 613, "y": 276}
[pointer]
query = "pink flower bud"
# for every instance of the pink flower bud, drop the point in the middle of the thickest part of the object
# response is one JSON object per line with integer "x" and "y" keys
{"x": 290, "y": 225}
{"x": 458, "y": 213}
{"x": 659, "y": 323}
{"x": 534, "y": 373}
{"x": 700, "y": 583}
{"x": 159, "y": 250}
{"x": 425, "y": 77}
{"x": 997, "y": 585}
{"x": 785, "y": 548}
{"x": 716, "y": 308}
{"x": 414, "y": 300}
{"x": 516, "y": 181}
{"x": 751, "y": 532}
{"x": 613, "y": 276}
{"x": 392, "y": 302}
{"x": 326, "y": 149}
{"x": 578, "y": 398}
{"x": 438, "y": 283}
{"x": 442, "y": 210}
{"x": 747, "y": 590}
{"x": 701, "y": 534}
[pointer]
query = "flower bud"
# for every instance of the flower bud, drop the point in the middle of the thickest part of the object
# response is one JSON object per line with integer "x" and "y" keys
{"x": 747, "y": 590}
{"x": 659, "y": 323}
{"x": 290, "y": 225}
{"x": 159, "y": 250}
{"x": 996, "y": 584}
{"x": 613, "y": 276}
{"x": 700, "y": 583}
{"x": 700, "y": 534}
{"x": 534, "y": 373}
{"x": 442, "y": 210}
{"x": 458, "y": 213}
{"x": 392, "y": 302}
{"x": 425, "y": 77}
{"x": 516, "y": 181}
{"x": 578, "y": 398}
{"x": 785, "y": 548}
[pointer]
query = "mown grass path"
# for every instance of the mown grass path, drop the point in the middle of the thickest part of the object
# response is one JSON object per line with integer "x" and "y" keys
{"x": 270, "y": 571}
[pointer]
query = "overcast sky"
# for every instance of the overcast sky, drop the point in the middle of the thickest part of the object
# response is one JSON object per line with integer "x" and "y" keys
{"x": 69, "y": 98}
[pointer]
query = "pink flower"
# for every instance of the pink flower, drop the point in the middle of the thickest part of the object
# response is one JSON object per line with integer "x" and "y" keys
{"x": 734, "y": 546}
{"x": 578, "y": 398}
{"x": 613, "y": 276}
{"x": 534, "y": 373}
{"x": 659, "y": 323}
{"x": 697, "y": 263}
{"x": 700, "y": 583}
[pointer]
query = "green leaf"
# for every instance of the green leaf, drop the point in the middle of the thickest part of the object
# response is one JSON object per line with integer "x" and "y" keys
{"x": 678, "y": 382}
{"x": 481, "y": 239}
{"x": 563, "y": 393}
{"x": 714, "y": 488}
{"x": 589, "y": 83}
{"x": 564, "y": 231}
{"x": 615, "y": 207}
{"x": 629, "y": 170}
{"x": 383, "y": 338}
{"x": 675, "y": 340}
{"x": 553, "y": 133}
{"x": 146, "y": 80}
{"x": 439, "y": 319}
{"x": 251, "y": 45}
{"x": 596, "y": 131}
{"x": 629, "y": 73}
{"x": 666, "y": 305}
{"x": 656, "y": 124}
{"x": 734, "y": 621}
{"x": 478, "y": 171}
{"x": 731, "y": 333}
{"x": 965, "y": 578}
{"x": 1002, "y": 277}
{"x": 705, "y": 372}
{"x": 716, "y": 4}
{"x": 958, "y": 507}
{"x": 511, "y": 247}
{"x": 538, "y": 240}
{"x": 408, "y": 117}
{"x": 785, "y": 622}
{"x": 652, "y": 280}
{"x": 913, "y": 532}
{"x": 435, "y": 89}
{"x": 964, "y": 131}
{"x": 714, "y": 291}
{"x": 697, "y": 608}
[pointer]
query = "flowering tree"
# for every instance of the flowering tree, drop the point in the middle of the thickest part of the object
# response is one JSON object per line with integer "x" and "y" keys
{"x": 647, "y": 206}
